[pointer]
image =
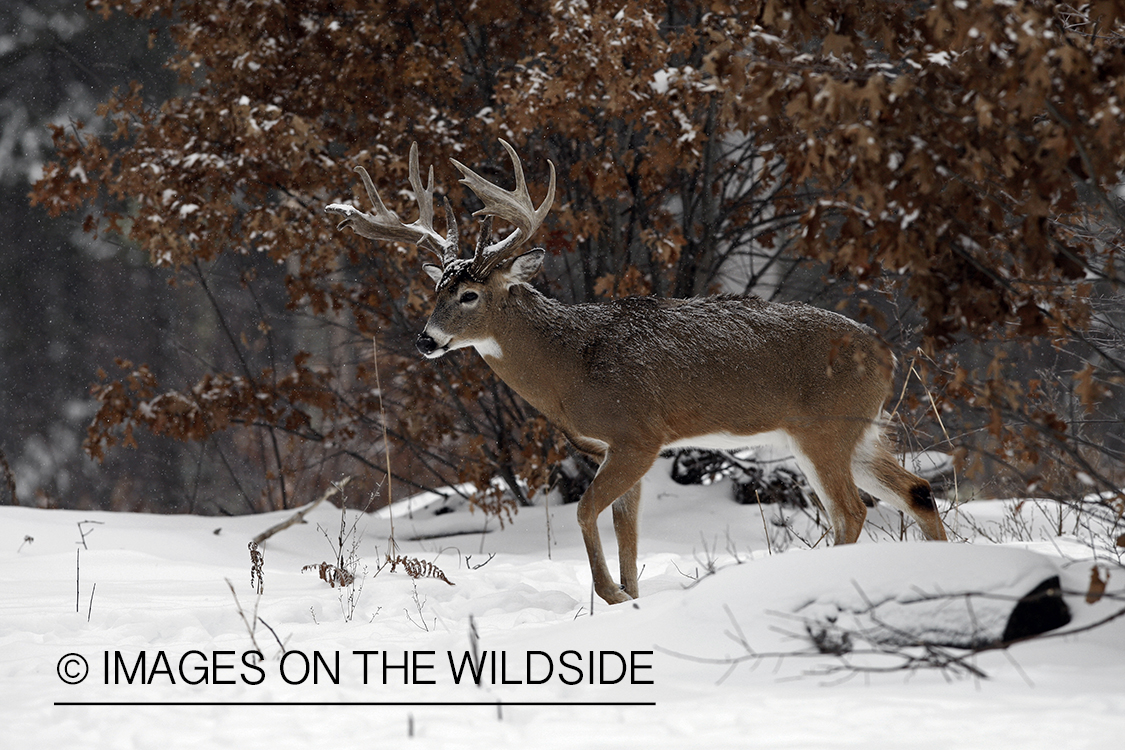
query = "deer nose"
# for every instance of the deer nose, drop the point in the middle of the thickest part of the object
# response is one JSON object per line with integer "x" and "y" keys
{"x": 425, "y": 344}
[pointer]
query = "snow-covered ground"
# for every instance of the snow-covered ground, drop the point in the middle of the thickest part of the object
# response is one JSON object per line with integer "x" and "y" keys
{"x": 712, "y": 587}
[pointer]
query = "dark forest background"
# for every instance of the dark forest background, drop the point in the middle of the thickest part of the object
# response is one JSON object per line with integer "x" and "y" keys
{"x": 73, "y": 303}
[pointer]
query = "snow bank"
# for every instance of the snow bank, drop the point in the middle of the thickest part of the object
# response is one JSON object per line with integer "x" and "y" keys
{"x": 716, "y": 652}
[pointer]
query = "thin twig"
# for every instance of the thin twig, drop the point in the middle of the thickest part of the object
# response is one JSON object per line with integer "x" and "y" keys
{"x": 249, "y": 627}
{"x": 299, "y": 516}
{"x": 386, "y": 445}
{"x": 765, "y": 528}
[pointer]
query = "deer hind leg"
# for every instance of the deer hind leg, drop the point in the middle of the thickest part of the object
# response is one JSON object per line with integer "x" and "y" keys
{"x": 625, "y": 512}
{"x": 618, "y": 475}
{"x": 830, "y": 476}
{"x": 878, "y": 474}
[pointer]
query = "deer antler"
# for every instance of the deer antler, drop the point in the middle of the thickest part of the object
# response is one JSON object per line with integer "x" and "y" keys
{"x": 384, "y": 224}
{"x": 514, "y": 206}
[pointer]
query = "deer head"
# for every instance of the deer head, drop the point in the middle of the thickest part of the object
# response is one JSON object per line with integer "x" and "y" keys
{"x": 467, "y": 288}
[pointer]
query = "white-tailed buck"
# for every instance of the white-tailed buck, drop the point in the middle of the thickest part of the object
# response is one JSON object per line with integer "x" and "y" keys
{"x": 630, "y": 378}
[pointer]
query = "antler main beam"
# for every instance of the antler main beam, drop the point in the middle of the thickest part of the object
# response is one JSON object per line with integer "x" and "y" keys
{"x": 513, "y": 206}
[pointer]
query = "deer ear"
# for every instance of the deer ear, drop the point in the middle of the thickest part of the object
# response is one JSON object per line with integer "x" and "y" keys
{"x": 434, "y": 272}
{"x": 526, "y": 266}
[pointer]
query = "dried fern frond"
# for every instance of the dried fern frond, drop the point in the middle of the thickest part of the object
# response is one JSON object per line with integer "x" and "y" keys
{"x": 416, "y": 568}
{"x": 332, "y": 574}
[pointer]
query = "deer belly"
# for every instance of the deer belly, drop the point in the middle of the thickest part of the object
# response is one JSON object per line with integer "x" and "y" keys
{"x": 726, "y": 441}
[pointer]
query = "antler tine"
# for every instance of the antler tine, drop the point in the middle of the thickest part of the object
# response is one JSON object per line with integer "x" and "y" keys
{"x": 423, "y": 195}
{"x": 513, "y": 206}
{"x": 451, "y": 235}
{"x": 384, "y": 224}
{"x": 484, "y": 237}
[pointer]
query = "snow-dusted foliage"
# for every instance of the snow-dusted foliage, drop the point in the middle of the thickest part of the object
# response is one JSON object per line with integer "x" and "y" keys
{"x": 966, "y": 155}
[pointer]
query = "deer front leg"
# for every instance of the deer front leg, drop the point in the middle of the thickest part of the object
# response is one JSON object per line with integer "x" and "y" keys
{"x": 625, "y": 512}
{"x": 618, "y": 474}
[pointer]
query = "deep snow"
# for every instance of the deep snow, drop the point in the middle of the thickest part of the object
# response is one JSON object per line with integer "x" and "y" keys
{"x": 157, "y": 586}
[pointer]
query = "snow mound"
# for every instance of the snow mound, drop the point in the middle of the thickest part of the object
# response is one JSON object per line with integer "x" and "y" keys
{"x": 137, "y": 597}
{"x": 949, "y": 595}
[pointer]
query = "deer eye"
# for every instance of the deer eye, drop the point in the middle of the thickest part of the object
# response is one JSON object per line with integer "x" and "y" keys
{"x": 469, "y": 297}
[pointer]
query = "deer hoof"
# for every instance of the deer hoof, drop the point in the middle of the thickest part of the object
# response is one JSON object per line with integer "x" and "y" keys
{"x": 615, "y": 596}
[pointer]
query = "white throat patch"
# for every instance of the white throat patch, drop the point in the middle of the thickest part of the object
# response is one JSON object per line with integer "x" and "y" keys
{"x": 488, "y": 347}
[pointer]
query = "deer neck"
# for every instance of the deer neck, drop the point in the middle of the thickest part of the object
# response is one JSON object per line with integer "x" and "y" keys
{"x": 533, "y": 336}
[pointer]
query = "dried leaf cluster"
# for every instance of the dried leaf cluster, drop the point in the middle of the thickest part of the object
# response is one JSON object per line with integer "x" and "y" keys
{"x": 962, "y": 155}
